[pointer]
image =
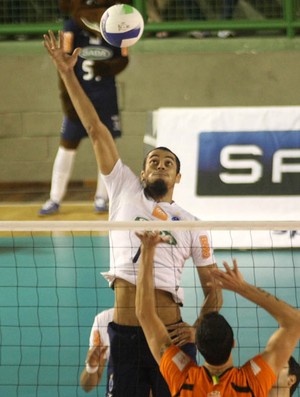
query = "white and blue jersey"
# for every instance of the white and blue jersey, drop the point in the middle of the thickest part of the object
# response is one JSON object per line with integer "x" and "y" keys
{"x": 128, "y": 203}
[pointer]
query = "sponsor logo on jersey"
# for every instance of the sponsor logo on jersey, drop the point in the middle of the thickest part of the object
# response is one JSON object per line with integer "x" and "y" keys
{"x": 181, "y": 360}
{"x": 141, "y": 218}
{"x": 255, "y": 368}
{"x": 205, "y": 248}
{"x": 172, "y": 239}
{"x": 96, "y": 338}
{"x": 256, "y": 163}
{"x": 96, "y": 53}
{"x": 159, "y": 213}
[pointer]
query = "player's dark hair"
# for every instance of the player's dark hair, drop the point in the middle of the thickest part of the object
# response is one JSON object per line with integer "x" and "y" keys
{"x": 294, "y": 369}
{"x": 214, "y": 338}
{"x": 166, "y": 150}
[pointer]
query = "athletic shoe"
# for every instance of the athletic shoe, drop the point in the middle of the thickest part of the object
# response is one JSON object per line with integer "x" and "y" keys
{"x": 49, "y": 208}
{"x": 100, "y": 205}
{"x": 225, "y": 34}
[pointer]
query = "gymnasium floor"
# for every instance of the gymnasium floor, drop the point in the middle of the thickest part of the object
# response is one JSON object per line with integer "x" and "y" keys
{"x": 22, "y": 202}
{"x": 51, "y": 289}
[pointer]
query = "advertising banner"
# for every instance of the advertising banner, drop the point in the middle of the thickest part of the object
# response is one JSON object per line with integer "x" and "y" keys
{"x": 237, "y": 163}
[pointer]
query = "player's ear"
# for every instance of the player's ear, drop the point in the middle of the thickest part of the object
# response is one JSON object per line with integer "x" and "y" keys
{"x": 142, "y": 176}
{"x": 178, "y": 177}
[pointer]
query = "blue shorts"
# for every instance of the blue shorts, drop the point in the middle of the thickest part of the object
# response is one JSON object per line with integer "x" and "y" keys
{"x": 132, "y": 370}
{"x": 73, "y": 130}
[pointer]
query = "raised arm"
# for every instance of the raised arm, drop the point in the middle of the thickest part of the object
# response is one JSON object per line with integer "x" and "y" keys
{"x": 284, "y": 340}
{"x": 102, "y": 141}
{"x": 154, "y": 329}
{"x": 183, "y": 333}
{"x": 213, "y": 297}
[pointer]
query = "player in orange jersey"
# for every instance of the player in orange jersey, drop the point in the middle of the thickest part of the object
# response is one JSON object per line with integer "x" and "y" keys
{"x": 287, "y": 380}
{"x": 214, "y": 337}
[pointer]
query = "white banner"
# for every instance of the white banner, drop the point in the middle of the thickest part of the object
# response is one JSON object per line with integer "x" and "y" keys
{"x": 237, "y": 163}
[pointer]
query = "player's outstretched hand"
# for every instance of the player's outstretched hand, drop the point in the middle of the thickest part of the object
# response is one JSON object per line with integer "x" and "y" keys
{"x": 230, "y": 279}
{"x": 55, "y": 47}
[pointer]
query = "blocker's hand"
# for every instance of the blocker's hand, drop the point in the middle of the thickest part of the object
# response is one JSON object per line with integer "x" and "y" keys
{"x": 181, "y": 333}
{"x": 63, "y": 61}
{"x": 230, "y": 279}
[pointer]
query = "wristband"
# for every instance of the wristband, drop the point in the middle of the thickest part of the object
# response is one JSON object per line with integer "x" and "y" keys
{"x": 89, "y": 369}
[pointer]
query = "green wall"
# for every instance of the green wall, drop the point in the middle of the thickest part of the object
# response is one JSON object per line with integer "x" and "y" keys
{"x": 175, "y": 72}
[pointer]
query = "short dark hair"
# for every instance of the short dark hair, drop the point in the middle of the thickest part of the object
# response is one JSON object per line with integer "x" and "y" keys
{"x": 214, "y": 338}
{"x": 294, "y": 369}
{"x": 178, "y": 165}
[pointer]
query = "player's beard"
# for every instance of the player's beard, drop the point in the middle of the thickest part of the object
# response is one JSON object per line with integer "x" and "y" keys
{"x": 156, "y": 189}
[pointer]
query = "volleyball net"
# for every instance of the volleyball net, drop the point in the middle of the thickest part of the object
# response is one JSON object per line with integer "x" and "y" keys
{"x": 51, "y": 288}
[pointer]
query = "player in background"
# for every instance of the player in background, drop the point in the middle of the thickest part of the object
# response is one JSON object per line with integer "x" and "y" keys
{"x": 149, "y": 197}
{"x": 287, "y": 380}
{"x": 96, "y": 76}
{"x": 98, "y": 353}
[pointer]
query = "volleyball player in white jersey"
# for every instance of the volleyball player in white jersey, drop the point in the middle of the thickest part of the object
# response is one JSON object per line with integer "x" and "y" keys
{"x": 150, "y": 197}
{"x": 98, "y": 353}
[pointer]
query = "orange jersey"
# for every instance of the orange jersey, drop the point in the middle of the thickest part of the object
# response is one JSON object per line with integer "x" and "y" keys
{"x": 187, "y": 379}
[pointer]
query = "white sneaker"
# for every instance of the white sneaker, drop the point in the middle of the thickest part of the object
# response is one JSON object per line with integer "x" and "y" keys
{"x": 100, "y": 205}
{"x": 49, "y": 208}
{"x": 225, "y": 34}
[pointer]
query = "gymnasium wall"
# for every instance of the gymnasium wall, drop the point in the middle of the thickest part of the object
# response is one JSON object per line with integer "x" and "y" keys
{"x": 176, "y": 72}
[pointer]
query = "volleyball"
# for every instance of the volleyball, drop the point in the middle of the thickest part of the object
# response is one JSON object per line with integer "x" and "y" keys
{"x": 121, "y": 25}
